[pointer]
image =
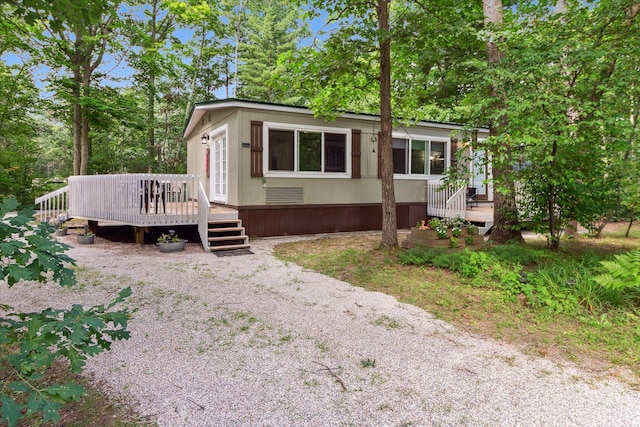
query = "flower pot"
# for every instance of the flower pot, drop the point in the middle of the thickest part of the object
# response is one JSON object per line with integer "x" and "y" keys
{"x": 85, "y": 240}
{"x": 171, "y": 246}
{"x": 60, "y": 231}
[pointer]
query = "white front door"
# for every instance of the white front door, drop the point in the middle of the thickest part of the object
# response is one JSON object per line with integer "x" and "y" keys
{"x": 218, "y": 152}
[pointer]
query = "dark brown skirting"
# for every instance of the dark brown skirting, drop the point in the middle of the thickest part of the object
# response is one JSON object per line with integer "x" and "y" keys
{"x": 283, "y": 220}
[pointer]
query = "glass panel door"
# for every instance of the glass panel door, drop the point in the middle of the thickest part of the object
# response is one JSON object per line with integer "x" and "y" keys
{"x": 219, "y": 169}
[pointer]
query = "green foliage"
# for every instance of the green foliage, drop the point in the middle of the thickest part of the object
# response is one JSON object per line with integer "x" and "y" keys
{"x": 622, "y": 273}
{"x": 546, "y": 282}
{"x": 272, "y": 29}
{"x": 518, "y": 254}
{"x": 27, "y": 252}
{"x": 559, "y": 99}
{"x": 467, "y": 263}
{"x": 31, "y": 342}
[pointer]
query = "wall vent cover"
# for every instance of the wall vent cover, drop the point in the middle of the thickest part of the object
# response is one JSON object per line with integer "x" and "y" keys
{"x": 284, "y": 195}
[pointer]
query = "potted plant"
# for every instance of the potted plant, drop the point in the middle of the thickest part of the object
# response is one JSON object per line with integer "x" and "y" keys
{"x": 170, "y": 242}
{"x": 85, "y": 236}
{"x": 60, "y": 227}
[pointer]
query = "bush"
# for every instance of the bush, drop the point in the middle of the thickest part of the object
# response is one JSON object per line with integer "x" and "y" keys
{"x": 31, "y": 342}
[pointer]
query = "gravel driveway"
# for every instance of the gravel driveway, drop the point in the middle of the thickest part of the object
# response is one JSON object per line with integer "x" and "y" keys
{"x": 252, "y": 341}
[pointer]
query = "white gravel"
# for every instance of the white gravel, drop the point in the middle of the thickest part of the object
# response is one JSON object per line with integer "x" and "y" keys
{"x": 247, "y": 340}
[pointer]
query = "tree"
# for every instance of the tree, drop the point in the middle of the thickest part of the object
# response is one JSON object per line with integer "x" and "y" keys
{"x": 505, "y": 211}
{"x": 71, "y": 37}
{"x": 271, "y": 29}
{"x": 152, "y": 60}
{"x": 562, "y": 95}
{"x": 31, "y": 342}
{"x": 18, "y": 145}
{"x": 332, "y": 85}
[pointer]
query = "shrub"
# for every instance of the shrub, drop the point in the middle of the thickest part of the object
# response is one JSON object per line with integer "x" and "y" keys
{"x": 31, "y": 342}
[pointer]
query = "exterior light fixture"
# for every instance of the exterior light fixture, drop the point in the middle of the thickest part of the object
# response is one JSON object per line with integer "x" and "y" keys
{"x": 205, "y": 138}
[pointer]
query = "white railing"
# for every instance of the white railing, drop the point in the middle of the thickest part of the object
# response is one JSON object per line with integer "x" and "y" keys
{"x": 203, "y": 217}
{"x": 135, "y": 199}
{"x": 445, "y": 201}
{"x": 54, "y": 205}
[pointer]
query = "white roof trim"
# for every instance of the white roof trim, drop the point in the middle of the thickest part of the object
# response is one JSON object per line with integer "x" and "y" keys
{"x": 199, "y": 111}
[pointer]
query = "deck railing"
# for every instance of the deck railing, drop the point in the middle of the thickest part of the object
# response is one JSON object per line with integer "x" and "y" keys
{"x": 445, "y": 201}
{"x": 54, "y": 205}
{"x": 135, "y": 199}
{"x": 203, "y": 218}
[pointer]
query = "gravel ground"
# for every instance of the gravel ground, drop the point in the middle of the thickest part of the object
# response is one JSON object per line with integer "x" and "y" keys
{"x": 252, "y": 341}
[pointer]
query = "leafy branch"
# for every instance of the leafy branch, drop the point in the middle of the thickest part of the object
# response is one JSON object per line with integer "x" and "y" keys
{"x": 30, "y": 343}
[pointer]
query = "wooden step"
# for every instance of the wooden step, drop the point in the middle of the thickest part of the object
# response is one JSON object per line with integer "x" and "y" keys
{"x": 229, "y": 247}
{"x": 224, "y": 238}
{"x": 222, "y": 221}
{"x": 226, "y": 229}
{"x": 226, "y": 235}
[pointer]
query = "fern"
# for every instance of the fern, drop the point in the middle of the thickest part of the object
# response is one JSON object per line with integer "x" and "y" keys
{"x": 622, "y": 273}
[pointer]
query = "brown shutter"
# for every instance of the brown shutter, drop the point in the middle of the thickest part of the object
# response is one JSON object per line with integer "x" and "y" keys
{"x": 454, "y": 149}
{"x": 355, "y": 152}
{"x": 256, "y": 149}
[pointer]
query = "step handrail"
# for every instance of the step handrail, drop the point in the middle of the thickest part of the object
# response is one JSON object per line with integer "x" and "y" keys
{"x": 203, "y": 217}
{"x": 54, "y": 205}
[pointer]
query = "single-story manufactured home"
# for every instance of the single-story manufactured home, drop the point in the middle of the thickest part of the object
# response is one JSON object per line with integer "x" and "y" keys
{"x": 257, "y": 169}
{"x": 286, "y": 171}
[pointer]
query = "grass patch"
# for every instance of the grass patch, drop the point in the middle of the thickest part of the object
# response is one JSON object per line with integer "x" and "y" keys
{"x": 547, "y": 303}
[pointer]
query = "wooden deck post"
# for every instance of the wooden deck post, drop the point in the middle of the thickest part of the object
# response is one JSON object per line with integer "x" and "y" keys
{"x": 138, "y": 234}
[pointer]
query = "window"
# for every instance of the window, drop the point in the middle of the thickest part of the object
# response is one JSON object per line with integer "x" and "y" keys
{"x": 436, "y": 158}
{"x": 306, "y": 150}
{"x": 399, "y": 155}
{"x": 280, "y": 150}
{"x": 414, "y": 160}
{"x": 419, "y": 157}
{"x": 335, "y": 152}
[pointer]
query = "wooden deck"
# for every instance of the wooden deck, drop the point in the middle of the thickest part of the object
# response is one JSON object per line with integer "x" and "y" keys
{"x": 137, "y": 200}
{"x": 451, "y": 202}
{"x": 481, "y": 215}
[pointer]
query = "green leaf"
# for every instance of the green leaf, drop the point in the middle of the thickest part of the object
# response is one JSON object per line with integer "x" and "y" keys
{"x": 10, "y": 410}
{"x": 63, "y": 393}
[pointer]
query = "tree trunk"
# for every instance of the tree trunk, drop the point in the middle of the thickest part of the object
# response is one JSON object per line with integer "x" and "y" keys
{"x": 389, "y": 220}
{"x": 505, "y": 211}
{"x": 77, "y": 124}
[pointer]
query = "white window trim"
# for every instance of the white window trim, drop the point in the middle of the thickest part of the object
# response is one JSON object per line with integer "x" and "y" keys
{"x": 298, "y": 174}
{"x": 422, "y": 177}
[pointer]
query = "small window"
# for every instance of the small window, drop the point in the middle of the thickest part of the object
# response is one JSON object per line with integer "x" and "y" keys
{"x": 310, "y": 151}
{"x": 437, "y": 158}
{"x": 335, "y": 149}
{"x": 419, "y": 165}
{"x": 280, "y": 150}
{"x": 399, "y": 155}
